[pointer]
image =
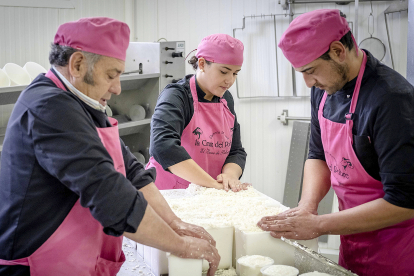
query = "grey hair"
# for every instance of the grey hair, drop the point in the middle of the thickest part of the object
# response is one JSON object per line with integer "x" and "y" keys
{"x": 59, "y": 55}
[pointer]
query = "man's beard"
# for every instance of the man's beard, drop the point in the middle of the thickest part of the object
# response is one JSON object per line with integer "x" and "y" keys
{"x": 342, "y": 72}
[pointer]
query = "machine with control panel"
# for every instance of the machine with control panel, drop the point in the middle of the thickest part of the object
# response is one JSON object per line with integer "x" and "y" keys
{"x": 172, "y": 62}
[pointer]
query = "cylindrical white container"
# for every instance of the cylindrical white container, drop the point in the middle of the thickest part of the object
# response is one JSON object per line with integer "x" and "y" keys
{"x": 33, "y": 69}
{"x": 137, "y": 112}
{"x": 184, "y": 267}
{"x": 17, "y": 75}
{"x": 108, "y": 111}
{"x": 140, "y": 157}
{"x": 4, "y": 79}
{"x": 279, "y": 270}
{"x": 251, "y": 265}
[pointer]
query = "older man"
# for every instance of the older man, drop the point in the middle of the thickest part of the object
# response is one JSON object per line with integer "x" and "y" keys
{"x": 362, "y": 144}
{"x": 69, "y": 187}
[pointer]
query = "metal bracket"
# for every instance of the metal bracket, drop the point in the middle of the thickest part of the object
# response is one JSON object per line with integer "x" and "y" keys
{"x": 284, "y": 118}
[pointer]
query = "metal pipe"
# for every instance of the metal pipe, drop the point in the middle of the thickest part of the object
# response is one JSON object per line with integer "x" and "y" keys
{"x": 293, "y": 70}
{"x": 277, "y": 64}
{"x": 356, "y": 22}
{"x": 277, "y": 69}
{"x": 389, "y": 41}
{"x": 296, "y": 118}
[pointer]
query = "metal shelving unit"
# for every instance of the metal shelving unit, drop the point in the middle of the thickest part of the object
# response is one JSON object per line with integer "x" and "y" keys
{"x": 137, "y": 88}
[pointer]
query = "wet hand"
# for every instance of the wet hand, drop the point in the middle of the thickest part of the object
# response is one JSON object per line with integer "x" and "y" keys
{"x": 186, "y": 229}
{"x": 231, "y": 183}
{"x": 297, "y": 223}
{"x": 194, "y": 248}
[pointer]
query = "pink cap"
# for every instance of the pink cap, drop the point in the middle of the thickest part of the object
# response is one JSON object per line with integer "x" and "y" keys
{"x": 221, "y": 48}
{"x": 99, "y": 35}
{"x": 310, "y": 35}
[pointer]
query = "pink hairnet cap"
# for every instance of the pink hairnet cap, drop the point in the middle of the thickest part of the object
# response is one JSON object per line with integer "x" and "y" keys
{"x": 310, "y": 35}
{"x": 221, "y": 48}
{"x": 99, "y": 35}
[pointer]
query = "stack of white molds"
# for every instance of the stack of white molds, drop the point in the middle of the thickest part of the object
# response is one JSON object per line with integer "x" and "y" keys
{"x": 231, "y": 219}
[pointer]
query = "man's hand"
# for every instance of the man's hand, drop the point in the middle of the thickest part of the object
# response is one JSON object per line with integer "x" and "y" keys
{"x": 186, "y": 229}
{"x": 194, "y": 248}
{"x": 232, "y": 183}
{"x": 297, "y": 223}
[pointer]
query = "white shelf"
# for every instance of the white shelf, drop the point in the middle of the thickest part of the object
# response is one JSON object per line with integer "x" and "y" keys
{"x": 124, "y": 129}
{"x": 132, "y": 126}
{"x": 9, "y": 95}
{"x": 12, "y": 89}
{"x": 136, "y": 76}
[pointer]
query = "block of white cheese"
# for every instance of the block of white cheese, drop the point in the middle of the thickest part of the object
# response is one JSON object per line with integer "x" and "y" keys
{"x": 224, "y": 244}
{"x": 251, "y": 265}
{"x": 279, "y": 270}
{"x": 184, "y": 267}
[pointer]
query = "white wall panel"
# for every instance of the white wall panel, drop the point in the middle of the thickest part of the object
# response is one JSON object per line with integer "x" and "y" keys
{"x": 26, "y": 33}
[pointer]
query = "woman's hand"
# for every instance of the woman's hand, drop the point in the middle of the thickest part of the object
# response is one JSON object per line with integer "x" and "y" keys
{"x": 232, "y": 183}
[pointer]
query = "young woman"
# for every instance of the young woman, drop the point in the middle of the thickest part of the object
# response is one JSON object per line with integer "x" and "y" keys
{"x": 195, "y": 136}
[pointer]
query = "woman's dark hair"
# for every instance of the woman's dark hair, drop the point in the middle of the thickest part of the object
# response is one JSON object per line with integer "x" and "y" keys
{"x": 346, "y": 40}
{"x": 194, "y": 62}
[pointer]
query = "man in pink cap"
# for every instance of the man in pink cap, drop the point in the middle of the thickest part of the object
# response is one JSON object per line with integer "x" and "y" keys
{"x": 69, "y": 187}
{"x": 361, "y": 145}
{"x": 195, "y": 136}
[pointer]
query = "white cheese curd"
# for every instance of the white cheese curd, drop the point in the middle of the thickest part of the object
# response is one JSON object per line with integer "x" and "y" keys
{"x": 255, "y": 261}
{"x": 315, "y": 273}
{"x": 280, "y": 270}
{"x": 212, "y": 208}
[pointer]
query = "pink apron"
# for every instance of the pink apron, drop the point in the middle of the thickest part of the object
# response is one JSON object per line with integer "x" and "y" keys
{"x": 207, "y": 139}
{"x": 79, "y": 246}
{"x": 387, "y": 251}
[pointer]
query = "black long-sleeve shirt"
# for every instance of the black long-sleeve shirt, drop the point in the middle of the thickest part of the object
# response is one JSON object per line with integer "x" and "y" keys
{"x": 52, "y": 156}
{"x": 173, "y": 113}
{"x": 383, "y": 128}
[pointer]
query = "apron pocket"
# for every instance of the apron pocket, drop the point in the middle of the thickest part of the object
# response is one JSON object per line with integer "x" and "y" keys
{"x": 109, "y": 268}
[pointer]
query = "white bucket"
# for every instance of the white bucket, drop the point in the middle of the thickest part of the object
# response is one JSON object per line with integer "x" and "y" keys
{"x": 4, "y": 79}
{"x": 17, "y": 75}
{"x": 33, "y": 69}
{"x": 251, "y": 265}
